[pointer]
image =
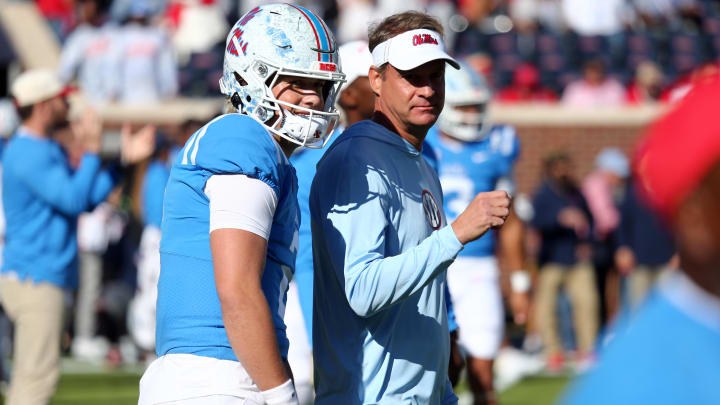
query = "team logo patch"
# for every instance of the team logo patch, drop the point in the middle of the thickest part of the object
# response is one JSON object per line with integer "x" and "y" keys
{"x": 424, "y": 39}
{"x": 432, "y": 211}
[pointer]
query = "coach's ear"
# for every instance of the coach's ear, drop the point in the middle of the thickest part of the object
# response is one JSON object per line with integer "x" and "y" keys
{"x": 375, "y": 76}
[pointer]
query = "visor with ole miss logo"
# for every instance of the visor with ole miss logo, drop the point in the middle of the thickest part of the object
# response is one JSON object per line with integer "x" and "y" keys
{"x": 411, "y": 49}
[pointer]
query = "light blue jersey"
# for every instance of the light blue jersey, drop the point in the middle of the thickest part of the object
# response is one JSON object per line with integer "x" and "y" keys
{"x": 381, "y": 247}
{"x": 468, "y": 168}
{"x": 189, "y": 319}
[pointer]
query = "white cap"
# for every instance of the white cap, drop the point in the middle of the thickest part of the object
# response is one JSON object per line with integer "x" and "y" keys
{"x": 356, "y": 60}
{"x": 613, "y": 160}
{"x": 411, "y": 49}
{"x": 36, "y": 85}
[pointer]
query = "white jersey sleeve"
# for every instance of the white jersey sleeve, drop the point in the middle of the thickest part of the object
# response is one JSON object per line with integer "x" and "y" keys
{"x": 231, "y": 206}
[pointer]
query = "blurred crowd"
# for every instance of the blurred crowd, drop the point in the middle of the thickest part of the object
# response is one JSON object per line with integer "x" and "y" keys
{"x": 577, "y": 52}
{"x": 594, "y": 242}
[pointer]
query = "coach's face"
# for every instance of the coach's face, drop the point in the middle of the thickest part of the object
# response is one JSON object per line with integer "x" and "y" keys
{"x": 411, "y": 99}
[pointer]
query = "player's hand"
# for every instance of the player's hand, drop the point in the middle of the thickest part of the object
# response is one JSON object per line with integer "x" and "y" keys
{"x": 520, "y": 306}
{"x": 624, "y": 260}
{"x": 88, "y": 131}
{"x": 486, "y": 210}
{"x": 137, "y": 146}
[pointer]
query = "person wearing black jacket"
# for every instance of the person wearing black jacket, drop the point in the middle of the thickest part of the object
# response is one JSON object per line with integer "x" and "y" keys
{"x": 563, "y": 220}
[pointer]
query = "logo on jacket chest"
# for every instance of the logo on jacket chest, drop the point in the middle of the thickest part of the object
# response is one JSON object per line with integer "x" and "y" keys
{"x": 432, "y": 210}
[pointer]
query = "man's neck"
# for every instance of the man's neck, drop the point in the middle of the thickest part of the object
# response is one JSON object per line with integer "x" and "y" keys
{"x": 287, "y": 147}
{"x": 36, "y": 126}
{"x": 353, "y": 116}
{"x": 414, "y": 136}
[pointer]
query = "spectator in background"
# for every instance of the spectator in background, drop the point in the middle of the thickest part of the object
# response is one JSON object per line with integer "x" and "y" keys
{"x": 667, "y": 352}
{"x": 86, "y": 55}
{"x": 42, "y": 198}
{"x": 602, "y": 189}
{"x": 564, "y": 222}
{"x": 594, "y": 89}
{"x": 144, "y": 65}
{"x": 198, "y": 25}
{"x": 526, "y": 87}
{"x": 96, "y": 231}
{"x": 647, "y": 86}
{"x": 645, "y": 247}
{"x": 595, "y": 17}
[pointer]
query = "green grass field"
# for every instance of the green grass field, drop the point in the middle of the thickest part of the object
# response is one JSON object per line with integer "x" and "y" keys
{"x": 121, "y": 388}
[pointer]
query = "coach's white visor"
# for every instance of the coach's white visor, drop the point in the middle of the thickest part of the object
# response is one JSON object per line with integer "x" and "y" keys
{"x": 411, "y": 49}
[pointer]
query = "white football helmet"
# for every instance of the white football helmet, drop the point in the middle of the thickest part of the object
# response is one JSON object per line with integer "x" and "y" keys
{"x": 465, "y": 87}
{"x": 282, "y": 40}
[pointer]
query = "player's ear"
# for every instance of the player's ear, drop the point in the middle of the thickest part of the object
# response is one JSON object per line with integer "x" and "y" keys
{"x": 375, "y": 76}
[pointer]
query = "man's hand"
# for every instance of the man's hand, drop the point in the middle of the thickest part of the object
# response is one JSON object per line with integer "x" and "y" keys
{"x": 575, "y": 219}
{"x": 624, "y": 260}
{"x": 486, "y": 210}
{"x": 520, "y": 305}
{"x": 88, "y": 131}
{"x": 137, "y": 146}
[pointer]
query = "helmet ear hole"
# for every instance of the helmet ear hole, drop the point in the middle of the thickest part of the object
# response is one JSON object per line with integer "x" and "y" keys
{"x": 236, "y": 101}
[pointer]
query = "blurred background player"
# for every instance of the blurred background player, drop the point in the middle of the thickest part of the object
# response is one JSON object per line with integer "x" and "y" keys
{"x": 476, "y": 156}
{"x": 231, "y": 217}
{"x": 667, "y": 352}
{"x": 563, "y": 220}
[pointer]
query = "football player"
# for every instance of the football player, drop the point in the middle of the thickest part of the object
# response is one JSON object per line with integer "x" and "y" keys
{"x": 476, "y": 156}
{"x": 230, "y": 217}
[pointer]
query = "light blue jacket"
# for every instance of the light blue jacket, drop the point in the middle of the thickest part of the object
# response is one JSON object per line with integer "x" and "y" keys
{"x": 381, "y": 247}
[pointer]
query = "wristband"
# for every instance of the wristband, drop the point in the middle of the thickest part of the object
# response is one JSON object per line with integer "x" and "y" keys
{"x": 281, "y": 395}
{"x": 520, "y": 281}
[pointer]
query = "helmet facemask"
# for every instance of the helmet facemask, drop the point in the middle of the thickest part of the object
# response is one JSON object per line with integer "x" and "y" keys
{"x": 466, "y": 126}
{"x": 311, "y": 127}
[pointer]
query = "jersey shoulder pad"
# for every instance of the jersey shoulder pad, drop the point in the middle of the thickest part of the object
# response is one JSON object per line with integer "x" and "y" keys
{"x": 236, "y": 144}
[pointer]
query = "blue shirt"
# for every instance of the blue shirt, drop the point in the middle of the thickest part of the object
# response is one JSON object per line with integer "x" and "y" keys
{"x": 468, "y": 168}
{"x": 42, "y": 198}
{"x": 666, "y": 353}
{"x": 305, "y": 161}
{"x": 189, "y": 318}
{"x": 153, "y": 190}
{"x": 382, "y": 246}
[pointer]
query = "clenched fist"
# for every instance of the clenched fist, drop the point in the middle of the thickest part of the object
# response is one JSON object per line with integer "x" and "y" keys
{"x": 487, "y": 210}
